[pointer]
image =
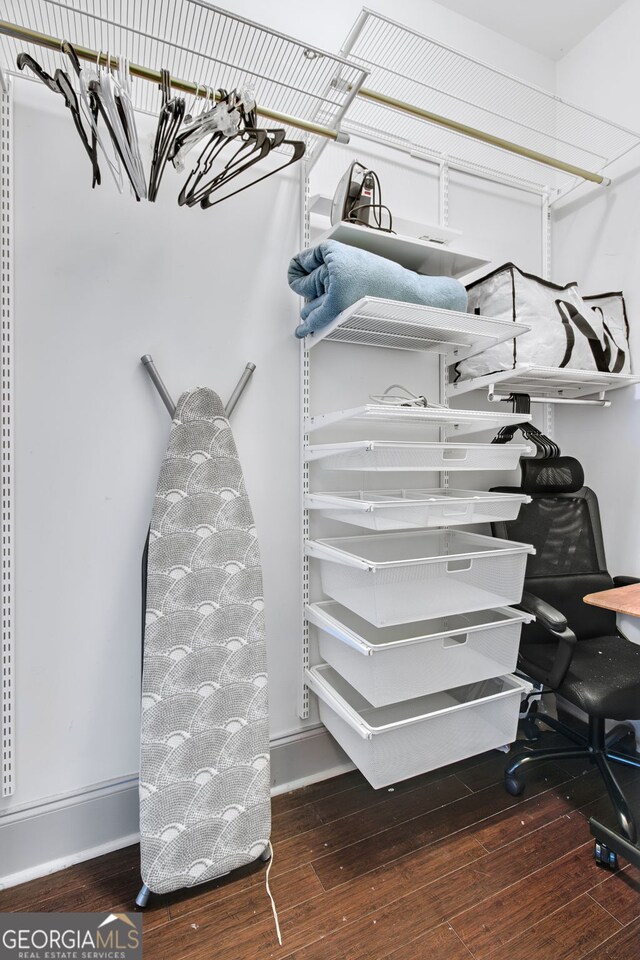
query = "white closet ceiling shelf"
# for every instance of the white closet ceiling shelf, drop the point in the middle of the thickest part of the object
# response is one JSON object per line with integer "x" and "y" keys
{"x": 440, "y": 105}
{"x": 415, "y": 509}
{"x": 434, "y": 102}
{"x": 402, "y": 740}
{"x": 204, "y": 48}
{"x": 397, "y": 455}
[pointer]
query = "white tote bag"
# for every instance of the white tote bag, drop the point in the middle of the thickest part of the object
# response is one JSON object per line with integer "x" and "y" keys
{"x": 565, "y": 331}
{"x": 612, "y": 311}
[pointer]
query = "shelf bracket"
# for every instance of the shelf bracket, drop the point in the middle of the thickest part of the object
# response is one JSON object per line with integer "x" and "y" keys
{"x": 599, "y": 401}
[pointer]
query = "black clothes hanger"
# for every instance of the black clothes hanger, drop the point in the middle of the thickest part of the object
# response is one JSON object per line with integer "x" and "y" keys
{"x": 545, "y": 448}
{"x": 251, "y": 145}
{"x": 255, "y": 145}
{"x": 244, "y": 157}
{"x": 298, "y": 148}
{"x": 67, "y": 49}
{"x": 60, "y": 83}
{"x": 169, "y": 122}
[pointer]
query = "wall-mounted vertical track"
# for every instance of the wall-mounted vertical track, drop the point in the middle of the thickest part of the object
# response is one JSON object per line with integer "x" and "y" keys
{"x": 303, "y": 698}
{"x": 548, "y": 424}
{"x": 6, "y": 440}
{"x": 443, "y": 362}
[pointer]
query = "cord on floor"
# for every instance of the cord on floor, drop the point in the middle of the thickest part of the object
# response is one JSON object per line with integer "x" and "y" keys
{"x": 273, "y": 903}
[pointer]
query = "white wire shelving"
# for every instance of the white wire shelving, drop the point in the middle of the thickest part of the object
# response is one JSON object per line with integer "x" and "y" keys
{"x": 200, "y": 43}
{"x": 550, "y": 384}
{"x": 424, "y": 256}
{"x": 454, "y": 422}
{"x": 376, "y": 322}
{"x": 320, "y": 206}
{"x": 418, "y": 70}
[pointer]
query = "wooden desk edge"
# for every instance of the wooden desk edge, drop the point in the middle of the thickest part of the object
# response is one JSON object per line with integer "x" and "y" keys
{"x": 615, "y": 598}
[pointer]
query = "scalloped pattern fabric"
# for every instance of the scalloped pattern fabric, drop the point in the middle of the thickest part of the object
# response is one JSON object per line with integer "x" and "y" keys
{"x": 205, "y": 804}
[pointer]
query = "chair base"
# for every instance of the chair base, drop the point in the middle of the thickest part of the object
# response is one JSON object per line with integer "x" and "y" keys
{"x": 532, "y": 733}
{"x": 614, "y": 843}
{"x": 594, "y": 748}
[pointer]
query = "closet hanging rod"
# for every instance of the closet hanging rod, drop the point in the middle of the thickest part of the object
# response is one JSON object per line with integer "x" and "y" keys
{"x": 154, "y": 76}
{"x": 473, "y": 132}
{"x": 579, "y": 401}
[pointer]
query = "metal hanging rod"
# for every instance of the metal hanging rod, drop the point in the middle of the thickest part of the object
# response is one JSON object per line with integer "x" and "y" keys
{"x": 186, "y": 86}
{"x": 387, "y": 101}
{"x": 167, "y": 399}
{"x": 154, "y": 76}
{"x": 579, "y": 401}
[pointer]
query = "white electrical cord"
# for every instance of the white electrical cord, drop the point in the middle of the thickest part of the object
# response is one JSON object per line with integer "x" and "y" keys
{"x": 404, "y": 398}
{"x": 273, "y": 903}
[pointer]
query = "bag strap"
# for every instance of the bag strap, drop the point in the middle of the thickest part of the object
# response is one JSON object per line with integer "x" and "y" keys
{"x": 621, "y": 356}
{"x": 600, "y": 354}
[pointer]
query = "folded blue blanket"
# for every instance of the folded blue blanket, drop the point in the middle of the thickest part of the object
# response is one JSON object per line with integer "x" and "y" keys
{"x": 332, "y": 276}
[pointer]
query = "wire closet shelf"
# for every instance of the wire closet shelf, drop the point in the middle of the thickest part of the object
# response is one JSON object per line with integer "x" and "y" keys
{"x": 202, "y": 45}
{"x": 415, "y": 71}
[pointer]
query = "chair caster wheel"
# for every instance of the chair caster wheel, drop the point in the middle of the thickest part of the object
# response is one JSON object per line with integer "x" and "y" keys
{"x": 605, "y": 857}
{"x": 513, "y": 786}
{"x": 530, "y": 731}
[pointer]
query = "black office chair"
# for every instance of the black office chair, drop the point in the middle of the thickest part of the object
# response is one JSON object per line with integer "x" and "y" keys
{"x": 574, "y": 649}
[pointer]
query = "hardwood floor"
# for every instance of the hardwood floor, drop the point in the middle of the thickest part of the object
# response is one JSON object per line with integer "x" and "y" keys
{"x": 446, "y": 866}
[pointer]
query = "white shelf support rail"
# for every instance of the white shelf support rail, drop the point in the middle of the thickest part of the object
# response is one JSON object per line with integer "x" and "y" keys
{"x": 305, "y": 383}
{"x": 7, "y": 784}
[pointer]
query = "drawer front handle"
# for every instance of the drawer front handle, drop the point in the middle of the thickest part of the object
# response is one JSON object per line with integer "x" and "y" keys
{"x": 458, "y": 566}
{"x": 455, "y": 641}
{"x": 456, "y": 509}
{"x": 455, "y": 454}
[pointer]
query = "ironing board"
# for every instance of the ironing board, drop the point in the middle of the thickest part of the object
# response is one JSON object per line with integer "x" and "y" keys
{"x": 204, "y": 759}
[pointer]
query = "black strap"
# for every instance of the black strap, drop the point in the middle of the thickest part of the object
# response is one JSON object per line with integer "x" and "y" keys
{"x": 609, "y": 337}
{"x": 600, "y": 354}
{"x": 145, "y": 558}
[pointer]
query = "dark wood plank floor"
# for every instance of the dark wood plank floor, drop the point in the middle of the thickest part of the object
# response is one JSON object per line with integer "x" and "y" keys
{"x": 446, "y": 866}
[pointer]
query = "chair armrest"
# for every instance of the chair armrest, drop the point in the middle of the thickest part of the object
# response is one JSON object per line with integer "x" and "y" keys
{"x": 548, "y": 616}
{"x": 556, "y": 623}
{"x": 625, "y": 581}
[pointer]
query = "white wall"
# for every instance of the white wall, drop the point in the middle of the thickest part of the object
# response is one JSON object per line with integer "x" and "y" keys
{"x": 596, "y": 241}
{"x": 100, "y": 280}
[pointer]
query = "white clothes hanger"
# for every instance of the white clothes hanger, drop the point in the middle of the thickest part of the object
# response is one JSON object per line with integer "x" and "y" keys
{"x": 85, "y": 75}
{"x": 109, "y": 90}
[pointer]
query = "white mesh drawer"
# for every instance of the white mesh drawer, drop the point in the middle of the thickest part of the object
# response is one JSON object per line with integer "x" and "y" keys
{"x": 389, "y": 664}
{"x": 399, "y": 578}
{"x": 402, "y": 740}
{"x": 416, "y": 509}
{"x": 391, "y": 456}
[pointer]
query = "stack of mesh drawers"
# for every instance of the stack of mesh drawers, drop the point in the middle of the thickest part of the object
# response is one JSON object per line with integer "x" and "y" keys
{"x": 418, "y": 639}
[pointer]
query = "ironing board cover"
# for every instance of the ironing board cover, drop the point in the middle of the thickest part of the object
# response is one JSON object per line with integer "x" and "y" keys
{"x": 204, "y": 764}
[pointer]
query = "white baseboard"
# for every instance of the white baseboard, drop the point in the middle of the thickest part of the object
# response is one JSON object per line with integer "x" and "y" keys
{"x": 51, "y": 835}
{"x": 54, "y": 833}
{"x": 306, "y": 757}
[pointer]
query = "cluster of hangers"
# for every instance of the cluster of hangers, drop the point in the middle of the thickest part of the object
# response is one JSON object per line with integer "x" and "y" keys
{"x": 235, "y": 147}
{"x": 545, "y": 448}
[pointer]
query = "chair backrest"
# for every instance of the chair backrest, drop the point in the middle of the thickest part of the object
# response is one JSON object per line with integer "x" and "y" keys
{"x": 563, "y": 524}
